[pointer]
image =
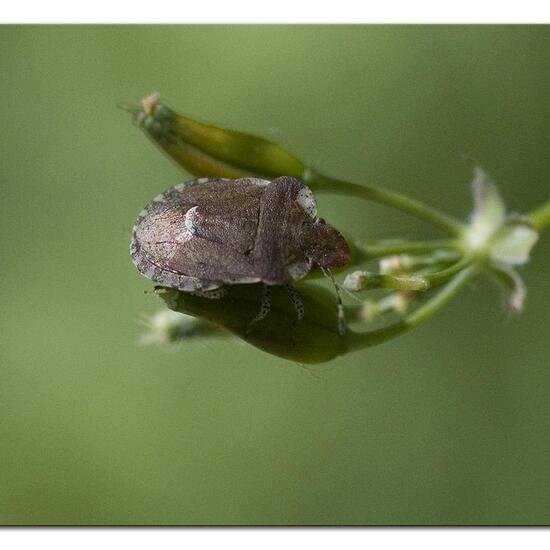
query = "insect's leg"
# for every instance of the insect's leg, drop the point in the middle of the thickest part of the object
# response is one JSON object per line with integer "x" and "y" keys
{"x": 341, "y": 316}
{"x": 265, "y": 307}
{"x": 296, "y": 300}
{"x": 211, "y": 294}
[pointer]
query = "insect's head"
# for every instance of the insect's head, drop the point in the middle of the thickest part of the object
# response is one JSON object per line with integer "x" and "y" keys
{"x": 324, "y": 245}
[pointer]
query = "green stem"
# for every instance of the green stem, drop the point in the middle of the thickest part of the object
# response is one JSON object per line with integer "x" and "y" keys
{"x": 377, "y": 250}
{"x": 423, "y": 313}
{"x": 444, "y": 275}
{"x": 540, "y": 218}
{"x": 442, "y": 298}
{"x": 321, "y": 183}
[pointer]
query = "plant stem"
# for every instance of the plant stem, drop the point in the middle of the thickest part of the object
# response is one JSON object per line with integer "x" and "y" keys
{"x": 442, "y": 298}
{"x": 377, "y": 250}
{"x": 321, "y": 183}
{"x": 423, "y": 313}
{"x": 540, "y": 217}
{"x": 444, "y": 275}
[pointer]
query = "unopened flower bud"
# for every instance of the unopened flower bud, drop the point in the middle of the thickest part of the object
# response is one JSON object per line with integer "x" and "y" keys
{"x": 369, "y": 311}
{"x": 357, "y": 280}
{"x": 396, "y": 264}
{"x": 362, "y": 280}
{"x": 166, "y": 327}
{"x": 313, "y": 339}
{"x": 205, "y": 150}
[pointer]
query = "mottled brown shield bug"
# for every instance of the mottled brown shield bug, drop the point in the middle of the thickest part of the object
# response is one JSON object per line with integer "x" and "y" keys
{"x": 206, "y": 234}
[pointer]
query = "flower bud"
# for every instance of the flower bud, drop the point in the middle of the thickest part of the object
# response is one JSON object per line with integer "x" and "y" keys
{"x": 396, "y": 302}
{"x": 398, "y": 263}
{"x": 363, "y": 280}
{"x": 205, "y": 150}
{"x": 313, "y": 339}
{"x": 167, "y": 327}
{"x": 369, "y": 311}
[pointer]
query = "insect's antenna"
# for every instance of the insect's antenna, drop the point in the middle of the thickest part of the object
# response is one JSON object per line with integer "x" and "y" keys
{"x": 350, "y": 294}
{"x": 341, "y": 318}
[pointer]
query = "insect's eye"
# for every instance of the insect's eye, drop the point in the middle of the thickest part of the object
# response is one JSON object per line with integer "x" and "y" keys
{"x": 320, "y": 220}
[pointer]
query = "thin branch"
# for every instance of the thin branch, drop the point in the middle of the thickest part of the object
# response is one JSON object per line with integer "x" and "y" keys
{"x": 321, "y": 183}
{"x": 376, "y": 250}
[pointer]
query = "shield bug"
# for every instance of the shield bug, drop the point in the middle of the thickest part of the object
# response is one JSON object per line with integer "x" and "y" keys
{"x": 206, "y": 234}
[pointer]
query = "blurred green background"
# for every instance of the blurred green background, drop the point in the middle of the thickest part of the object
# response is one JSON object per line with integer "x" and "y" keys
{"x": 448, "y": 424}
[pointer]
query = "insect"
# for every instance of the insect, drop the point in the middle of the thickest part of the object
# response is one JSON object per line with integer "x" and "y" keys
{"x": 206, "y": 234}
